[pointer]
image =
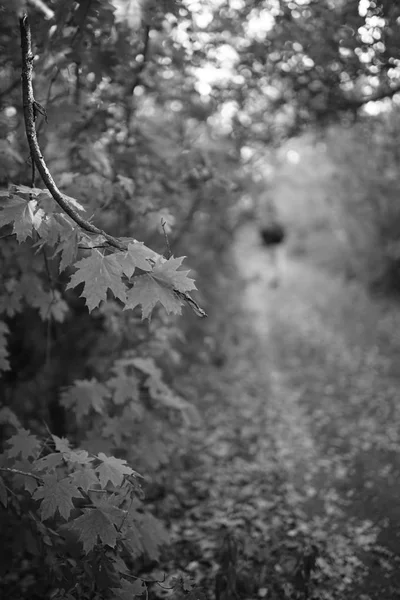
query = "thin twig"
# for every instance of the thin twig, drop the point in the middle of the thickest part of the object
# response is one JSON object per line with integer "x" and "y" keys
{"x": 24, "y": 473}
{"x": 92, "y": 247}
{"x": 168, "y": 247}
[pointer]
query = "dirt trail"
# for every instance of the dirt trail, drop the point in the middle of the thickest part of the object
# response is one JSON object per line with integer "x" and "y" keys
{"x": 332, "y": 357}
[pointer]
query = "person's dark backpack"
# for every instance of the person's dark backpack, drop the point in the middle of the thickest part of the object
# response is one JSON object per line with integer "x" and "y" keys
{"x": 272, "y": 234}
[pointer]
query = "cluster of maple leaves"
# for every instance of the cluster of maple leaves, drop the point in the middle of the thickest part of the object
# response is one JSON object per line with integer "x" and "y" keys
{"x": 31, "y": 210}
{"x": 87, "y": 499}
{"x": 90, "y": 500}
{"x": 80, "y": 498}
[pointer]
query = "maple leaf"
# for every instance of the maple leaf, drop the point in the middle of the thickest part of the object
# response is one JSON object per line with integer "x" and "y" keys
{"x": 164, "y": 394}
{"x": 108, "y": 506}
{"x": 58, "y": 308}
{"x": 78, "y": 456}
{"x": 23, "y": 443}
{"x": 4, "y": 362}
{"x": 129, "y": 589}
{"x": 132, "y": 538}
{"x": 159, "y": 286}
{"x": 21, "y": 213}
{"x": 68, "y": 248}
{"x": 153, "y": 452}
{"x": 84, "y": 396}
{"x": 94, "y": 525}
{"x": 125, "y": 388}
{"x": 84, "y": 478}
{"x": 49, "y": 462}
{"x": 95, "y": 442}
{"x": 99, "y": 273}
{"x": 146, "y": 292}
{"x": 147, "y": 365}
{"x": 166, "y": 271}
{"x": 187, "y": 583}
{"x": 127, "y": 184}
{"x": 11, "y": 303}
{"x": 56, "y": 495}
{"x": 28, "y": 192}
{"x": 48, "y": 231}
{"x": 50, "y": 304}
{"x": 137, "y": 255}
{"x": 45, "y": 197}
{"x": 119, "y": 564}
{"x": 113, "y": 429}
{"x": 7, "y": 416}
{"x": 113, "y": 469}
{"x": 32, "y": 290}
{"x": 154, "y": 535}
{"x": 121, "y": 365}
{"x": 124, "y": 425}
{"x": 61, "y": 444}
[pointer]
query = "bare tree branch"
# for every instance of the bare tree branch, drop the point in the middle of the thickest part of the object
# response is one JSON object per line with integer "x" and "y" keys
{"x": 18, "y": 472}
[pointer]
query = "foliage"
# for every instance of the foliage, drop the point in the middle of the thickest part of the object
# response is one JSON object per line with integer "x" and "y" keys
{"x": 98, "y": 272}
{"x": 81, "y": 516}
{"x": 135, "y": 160}
{"x": 104, "y": 489}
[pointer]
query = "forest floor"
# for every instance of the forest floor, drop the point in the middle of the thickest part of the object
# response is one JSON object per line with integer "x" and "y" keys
{"x": 291, "y": 486}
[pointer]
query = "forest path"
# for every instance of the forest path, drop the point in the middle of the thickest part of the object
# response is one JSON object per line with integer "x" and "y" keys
{"x": 331, "y": 355}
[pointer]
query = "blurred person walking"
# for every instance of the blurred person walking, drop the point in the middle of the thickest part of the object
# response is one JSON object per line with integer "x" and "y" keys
{"x": 273, "y": 234}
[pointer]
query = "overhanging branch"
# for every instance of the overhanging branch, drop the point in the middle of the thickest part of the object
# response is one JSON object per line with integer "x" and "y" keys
{"x": 31, "y": 108}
